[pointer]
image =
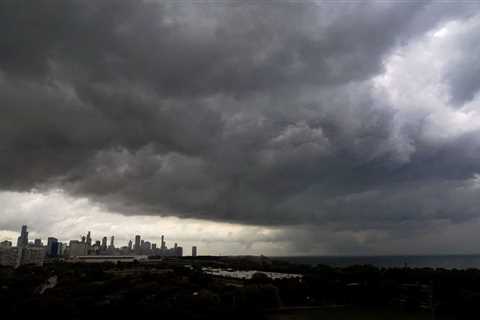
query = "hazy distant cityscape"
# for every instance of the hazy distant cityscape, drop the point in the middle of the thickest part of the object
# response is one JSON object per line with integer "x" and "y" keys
{"x": 85, "y": 249}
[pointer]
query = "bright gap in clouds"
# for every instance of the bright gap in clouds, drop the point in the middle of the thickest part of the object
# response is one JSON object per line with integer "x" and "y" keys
{"x": 415, "y": 84}
{"x": 59, "y": 215}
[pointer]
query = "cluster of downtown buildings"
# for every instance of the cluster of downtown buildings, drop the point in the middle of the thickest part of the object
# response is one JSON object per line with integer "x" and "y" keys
{"x": 85, "y": 250}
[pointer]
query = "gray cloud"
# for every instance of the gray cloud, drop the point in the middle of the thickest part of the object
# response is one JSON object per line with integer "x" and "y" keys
{"x": 263, "y": 114}
{"x": 463, "y": 74}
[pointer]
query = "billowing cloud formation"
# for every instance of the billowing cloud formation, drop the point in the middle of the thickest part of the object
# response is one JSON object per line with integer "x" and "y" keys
{"x": 354, "y": 116}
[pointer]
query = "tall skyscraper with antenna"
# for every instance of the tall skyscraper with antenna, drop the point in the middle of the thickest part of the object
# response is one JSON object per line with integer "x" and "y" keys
{"x": 23, "y": 239}
{"x": 89, "y": 239}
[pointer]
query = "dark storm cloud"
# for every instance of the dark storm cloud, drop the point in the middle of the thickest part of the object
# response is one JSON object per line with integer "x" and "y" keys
{"x": 184, "y": 50}
{"x": 254, "y": 113}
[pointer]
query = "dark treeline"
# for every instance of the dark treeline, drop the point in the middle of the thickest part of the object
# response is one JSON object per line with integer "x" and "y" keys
{"x": 172, "y": 290}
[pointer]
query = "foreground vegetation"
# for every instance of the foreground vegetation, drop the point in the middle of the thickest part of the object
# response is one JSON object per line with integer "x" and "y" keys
{"x": 179, "y": 289}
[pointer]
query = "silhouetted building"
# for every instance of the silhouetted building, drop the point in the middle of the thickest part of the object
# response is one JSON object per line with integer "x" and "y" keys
{"x": 89, "y": 239}
{"x": 137, "y": 243}
{"x": 38, "y": 243}
{"x": 178, "y": 251}
{"x": 112, "y": 242}
{"x": 104, "y": 244}
{"x": 23, "y": 239}
{"x": 162, "y": 245}
{"x": 194, "y": 251}
{"x": 130, "y": 245}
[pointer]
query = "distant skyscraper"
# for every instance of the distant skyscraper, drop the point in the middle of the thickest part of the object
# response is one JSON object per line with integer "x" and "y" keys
{"x": 194, "y": 251}
{"x": 52, "y": 247}
{"x": 89, "y": 239}
{"x": 104, "y": 243}
{"x": 84, "y": 240}
{"x": 22, "y": 244}
{"x": 130, "y": 245}
{"x": 38, "y": 243}
{"x": 178, "y": 251}
{"x": 154, "y": 246}
{"x": 23, "y": 239}
{"x": 162, "y": 245}
{"x": 137, "y": 243}
{"x": 61, "y": 249}
{"x": 112, "y": 242}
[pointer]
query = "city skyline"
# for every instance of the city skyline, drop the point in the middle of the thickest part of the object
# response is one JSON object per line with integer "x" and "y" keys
{"x": 103, "y": 242}
{"x": 28, "y": 251}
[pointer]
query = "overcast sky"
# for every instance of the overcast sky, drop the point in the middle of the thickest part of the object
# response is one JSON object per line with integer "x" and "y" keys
{"x": 276, "y": 128}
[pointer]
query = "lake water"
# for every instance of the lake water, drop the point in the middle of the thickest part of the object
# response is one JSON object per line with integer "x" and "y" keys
{"x": 433, "y": 261}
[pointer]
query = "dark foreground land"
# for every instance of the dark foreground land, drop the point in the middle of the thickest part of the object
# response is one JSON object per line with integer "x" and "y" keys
{"x": 179, "y": 289}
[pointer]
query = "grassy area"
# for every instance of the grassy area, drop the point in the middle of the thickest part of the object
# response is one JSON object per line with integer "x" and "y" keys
{"x": 347, "y": 313}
